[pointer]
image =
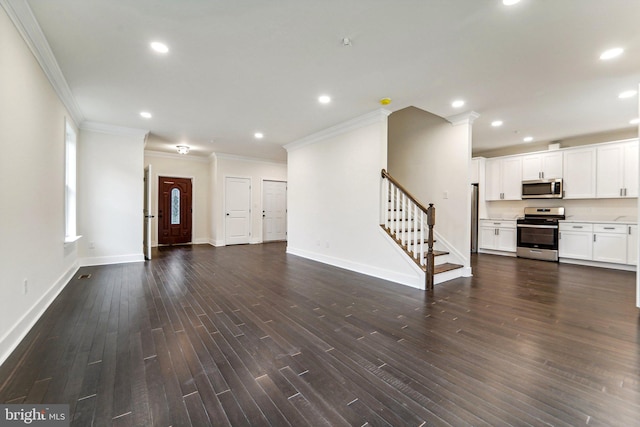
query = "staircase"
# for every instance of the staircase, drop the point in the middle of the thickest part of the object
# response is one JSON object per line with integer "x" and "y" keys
{"x": 410, "y": 225}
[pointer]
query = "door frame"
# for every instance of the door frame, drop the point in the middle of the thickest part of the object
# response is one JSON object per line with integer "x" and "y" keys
{"x": 147, "y": 212}
{"x": 156, "y": 201}
{"x": 224, "y": 206}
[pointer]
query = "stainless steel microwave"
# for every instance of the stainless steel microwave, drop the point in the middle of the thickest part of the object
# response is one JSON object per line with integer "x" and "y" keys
{"x": 542, "y": 189}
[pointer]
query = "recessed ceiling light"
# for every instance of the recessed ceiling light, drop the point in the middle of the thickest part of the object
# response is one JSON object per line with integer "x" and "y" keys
{"x": 457, "y": 103}
{"x": 258, "y": 135}
{"x": 527, "y": 139}
{"x": 159, "y": 47}
{"x": 611, "y": 53}
{"x": 145, "y": 114}
{"x": 510, "y": 2}
{"x": 628, "y": 94}
{"x": 496, "y": 123}
{"x": 635, "y": 121}
{"x": 324, "y": 99}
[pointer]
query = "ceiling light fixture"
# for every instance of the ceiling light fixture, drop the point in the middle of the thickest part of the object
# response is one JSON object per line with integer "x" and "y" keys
{"x": 510, "y": 2}
{"x": 527, "y": 139}
{"x": 496, "y": 123}
{"x": 457, "y": 103}
{"x": 159, "y": 47}
{"x": 145, "y": 114}
{"x": 628, "y": 94}
{"x": 346, "y": 41}
{"x": 611, "y": 53}
{"x": 324, "y": 99}
{"x": 258, "y": 135}
{"x": 182, "y": 149}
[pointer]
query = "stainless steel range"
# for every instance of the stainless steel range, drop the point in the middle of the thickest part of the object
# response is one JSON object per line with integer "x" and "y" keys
{"x": 538, "y": 233}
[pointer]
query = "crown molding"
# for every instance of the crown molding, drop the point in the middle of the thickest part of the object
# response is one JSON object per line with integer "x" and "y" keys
{"x": 176, "y": 156}
{"x": 225, "y": 156}
{"x": 464, "y": 118}
{"x": 366, "y": 119}
{"x": 25, "y": 22}
{"x": 113, "y": 130}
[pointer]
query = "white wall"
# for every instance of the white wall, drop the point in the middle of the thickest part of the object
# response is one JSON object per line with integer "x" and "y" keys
{"x": 431, "y": 157}
{"x": 32, "y": 171}
{"x": 196, "y": 168}
{"x": 334, "y": 201}
{"x": 223, "y": 166}
{"x": 110, "y": 194}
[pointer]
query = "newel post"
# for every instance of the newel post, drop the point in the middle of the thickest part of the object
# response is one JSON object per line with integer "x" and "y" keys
{"x": 431, "y": 221}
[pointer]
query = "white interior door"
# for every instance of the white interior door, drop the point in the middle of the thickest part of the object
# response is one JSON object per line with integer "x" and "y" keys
{"x": 237, "y": 210}
{"x": 146, "y": 238}
{"x": 274, "y": 210}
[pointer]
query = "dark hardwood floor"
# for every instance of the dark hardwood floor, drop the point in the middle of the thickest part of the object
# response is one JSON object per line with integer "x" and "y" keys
{"x": 247, "y": 335}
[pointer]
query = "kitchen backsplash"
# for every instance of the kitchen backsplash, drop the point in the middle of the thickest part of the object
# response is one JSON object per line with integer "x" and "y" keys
{"x": 591, "y": 209}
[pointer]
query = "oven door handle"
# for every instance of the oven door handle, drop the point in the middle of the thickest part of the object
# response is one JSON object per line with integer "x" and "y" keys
{"x": 537, "y": 226}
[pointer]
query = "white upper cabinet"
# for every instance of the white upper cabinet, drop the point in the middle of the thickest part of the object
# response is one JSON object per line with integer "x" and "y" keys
{"x": 503, "y": 178}
{"x": 542, "y": 166}
{"x": 579, "y": 173}
{"x": 617, "y": 170}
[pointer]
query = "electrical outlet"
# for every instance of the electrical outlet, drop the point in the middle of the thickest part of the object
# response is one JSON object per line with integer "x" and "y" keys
{"x": 26, "y": 286}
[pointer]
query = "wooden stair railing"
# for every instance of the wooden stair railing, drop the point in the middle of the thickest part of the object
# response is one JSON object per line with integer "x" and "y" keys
{"x": 410, "y": 224}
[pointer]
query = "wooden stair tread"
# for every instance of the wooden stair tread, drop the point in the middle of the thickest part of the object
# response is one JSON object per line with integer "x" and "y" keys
{"x": 441, "y": 268}
{"x": 440, "y": 253}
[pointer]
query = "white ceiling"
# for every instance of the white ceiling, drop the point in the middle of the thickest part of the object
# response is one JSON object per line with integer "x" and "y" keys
{"x": 237, "y": 67}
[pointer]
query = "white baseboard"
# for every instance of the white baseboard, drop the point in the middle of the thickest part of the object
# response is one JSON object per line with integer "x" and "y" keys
{"x": 392, "y": 276}
{"x": 625, "y": 267}
{"x": 21, "y": 328}
{"x": 115, "y": 259}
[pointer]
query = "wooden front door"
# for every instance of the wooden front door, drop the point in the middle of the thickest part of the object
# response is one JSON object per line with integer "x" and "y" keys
{"x": 174, "y": 210}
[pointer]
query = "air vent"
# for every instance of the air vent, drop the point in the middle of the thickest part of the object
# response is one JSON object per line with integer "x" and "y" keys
{"x": 84, "y": 276}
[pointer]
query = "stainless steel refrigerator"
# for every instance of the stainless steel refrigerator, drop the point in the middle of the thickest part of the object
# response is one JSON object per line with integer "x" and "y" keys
{"x": 474, "y": 218}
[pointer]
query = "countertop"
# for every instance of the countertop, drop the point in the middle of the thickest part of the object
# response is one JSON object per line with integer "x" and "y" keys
{"x": 595, "y": 219}
{"x": 602, "y": 219}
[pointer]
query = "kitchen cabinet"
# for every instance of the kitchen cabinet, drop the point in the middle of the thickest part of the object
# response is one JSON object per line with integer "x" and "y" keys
{"x": 617, "y": 170}
{"x": 632, "y": 244}
{"x": 603, "y": 242}
{"x": 542, "y": 166}
{"x": 503, "y": 178}
{"x": 579, "y": 173}
{"x": 610, "y": 243}
{"x": 575, "y": 241}
{"x": 498, "y": 235}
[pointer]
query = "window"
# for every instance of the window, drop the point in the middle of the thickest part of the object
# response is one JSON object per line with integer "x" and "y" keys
{"x": 70, "y": 233}
{"x": 175, "y": 206}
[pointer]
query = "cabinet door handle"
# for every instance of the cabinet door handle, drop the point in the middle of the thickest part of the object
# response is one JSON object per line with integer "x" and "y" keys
{"x": 577, "y": 226}
{"x": 594, "y": 237}
{"x": 609, "y": 228}
{"x": 629, "y": 230}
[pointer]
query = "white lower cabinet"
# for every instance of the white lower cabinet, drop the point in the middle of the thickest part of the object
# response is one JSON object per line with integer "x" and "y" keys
{"x": 498, "y": 235}
{"x": 575, "y": 241}
{"x": 611, "y": 243}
